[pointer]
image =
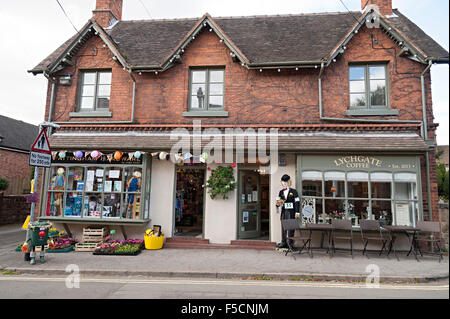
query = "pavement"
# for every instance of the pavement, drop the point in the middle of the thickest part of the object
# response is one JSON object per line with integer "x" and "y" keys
{"x": 225, "y": 264}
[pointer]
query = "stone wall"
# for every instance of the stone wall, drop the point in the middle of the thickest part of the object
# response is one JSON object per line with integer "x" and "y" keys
{"x": 13, "y": 209}
{"x": 443, "y": 217}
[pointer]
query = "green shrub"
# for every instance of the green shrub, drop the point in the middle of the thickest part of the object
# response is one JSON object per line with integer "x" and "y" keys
{"x": 4, "y": 183}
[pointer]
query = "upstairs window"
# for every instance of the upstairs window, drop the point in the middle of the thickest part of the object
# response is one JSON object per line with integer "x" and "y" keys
{"x": 206, "y": 89}
{"x": 95, "y": 91}
{"x": 368, "y": 86}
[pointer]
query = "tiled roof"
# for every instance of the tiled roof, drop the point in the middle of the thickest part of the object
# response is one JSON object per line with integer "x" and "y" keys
{"x": 261, "y": 39}
{"x": 16, "y": 134}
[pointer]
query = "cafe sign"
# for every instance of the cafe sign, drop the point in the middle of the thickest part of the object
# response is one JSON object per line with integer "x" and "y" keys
{"x": 358, "y": 162}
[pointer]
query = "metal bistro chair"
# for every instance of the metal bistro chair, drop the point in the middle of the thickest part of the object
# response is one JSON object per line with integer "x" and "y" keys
{"x": 293, "y": 225}
{"x": 342, "y": 229}
{"x": 426, "y": 234}
{"x": 371, "y": 231}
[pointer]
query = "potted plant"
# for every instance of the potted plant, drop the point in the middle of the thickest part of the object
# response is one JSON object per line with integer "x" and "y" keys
{"x": 4, "y": 184}
{"x": 221, "y": 182}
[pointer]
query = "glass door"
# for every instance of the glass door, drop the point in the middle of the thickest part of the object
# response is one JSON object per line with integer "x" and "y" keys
{"x": 249, "y": 205}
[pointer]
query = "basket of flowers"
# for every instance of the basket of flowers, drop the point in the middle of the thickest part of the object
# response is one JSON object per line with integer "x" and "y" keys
{"x": 62, "y": 245}
{"x": 337, "y": 215}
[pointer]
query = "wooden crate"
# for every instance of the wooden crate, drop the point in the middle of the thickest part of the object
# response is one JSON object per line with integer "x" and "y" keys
{"x": 85, "y": 247}
{"x": 94, "y": 235}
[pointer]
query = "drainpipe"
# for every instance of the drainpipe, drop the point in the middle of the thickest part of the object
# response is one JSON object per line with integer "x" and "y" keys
{"x": 425, "y": 136}
{"x": 131, "y": 121}
{"x": 52, "y": 100}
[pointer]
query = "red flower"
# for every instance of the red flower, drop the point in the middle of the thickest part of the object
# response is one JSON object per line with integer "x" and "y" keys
{"x": 233, "y": 165}
{"x": 209, "y": 168}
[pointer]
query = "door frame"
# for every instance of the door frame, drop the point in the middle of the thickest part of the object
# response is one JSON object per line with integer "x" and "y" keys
{"x": 239, "y": 195}
{"x": 189, "y": 167}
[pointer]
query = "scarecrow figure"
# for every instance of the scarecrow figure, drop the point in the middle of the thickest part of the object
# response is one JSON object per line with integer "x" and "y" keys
{"x": 289, "y": 202}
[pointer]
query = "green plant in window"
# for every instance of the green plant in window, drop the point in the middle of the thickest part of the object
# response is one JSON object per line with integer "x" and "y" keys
{"x": 221, "y": 182}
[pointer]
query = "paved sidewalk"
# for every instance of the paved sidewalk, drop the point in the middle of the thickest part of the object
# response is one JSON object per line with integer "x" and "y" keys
{"x": 233, "y": 263}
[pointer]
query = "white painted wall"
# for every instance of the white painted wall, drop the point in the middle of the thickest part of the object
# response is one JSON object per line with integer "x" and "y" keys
{"x": 220, "y": 215}
{"x": 275, "y": 187}
{"x": 162, "y": 195}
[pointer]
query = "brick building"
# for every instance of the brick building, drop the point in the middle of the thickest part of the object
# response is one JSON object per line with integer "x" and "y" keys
{"x": 16, "y": 138}
{"x": 346, "y": 96}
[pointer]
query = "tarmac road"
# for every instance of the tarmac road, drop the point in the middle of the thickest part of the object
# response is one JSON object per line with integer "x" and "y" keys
{"x": 36, "y": 286}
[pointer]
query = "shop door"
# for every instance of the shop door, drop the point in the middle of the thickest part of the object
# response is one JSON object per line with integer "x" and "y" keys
{"x": 249, "y": 205}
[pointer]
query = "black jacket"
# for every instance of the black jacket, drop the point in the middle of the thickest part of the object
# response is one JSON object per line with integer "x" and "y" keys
{"x": 292, "y": 200}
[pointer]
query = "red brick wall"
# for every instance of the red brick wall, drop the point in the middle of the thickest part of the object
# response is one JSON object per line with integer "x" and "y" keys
{"x": 251, "y": 96}
{"x": 14, "y": 166}
{"x": 13, "y": 209}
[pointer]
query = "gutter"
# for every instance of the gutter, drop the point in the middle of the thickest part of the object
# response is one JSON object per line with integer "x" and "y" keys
{"x": 52, "y": 100}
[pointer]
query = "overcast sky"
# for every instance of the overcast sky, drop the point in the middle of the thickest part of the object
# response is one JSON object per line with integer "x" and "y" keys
{"x": 31, "y": 29}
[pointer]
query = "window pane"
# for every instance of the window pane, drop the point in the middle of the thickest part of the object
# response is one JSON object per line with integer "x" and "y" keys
{"x": 104, "y": 78}
{"x": 358, "y": 209}
{"x": 381, "y": 189}
{"x": 94, "y": 179}
{"x": 73, "y": 204}
{"x": 198, "y": 89}
{"x": 89, "y": 78}
{"x": 103, "y": 102}
{"x": 377, "y": 72}
{"x": 88, "y": 90}
{"x": 75, "y": 179}
{"x": 104, "y": 90}
{"x": 334, "y": 184}
{"x": 133, "y": 179}
{"x": 357, "y": 100}
{"x": 405, "y": 177}
{"x": 357, "y": 87}
{"x": 357, "y": 184}
{"x": 198, "y": 76}
{"x": 382, "y": 211}
{"x": 87, "y": 103}
{"x": 378, "y": 92}
{"x": 113, "y": 180}
{"x": 55, "y": 204}
{"x": 58, "y": 178}
{"x": 92, "y": 205}
{"x": 216, "y": 89}
{"x": 405, "y": 191}
{"x": 357, "y": 73}
{"x": 312, "y": 183}
{"x": 131, "y": 206}
{"x": 216, "y": 101}
{"x": 381, "y": 177}
{"x": 333, "y": 206}
{"x": 216, "y": 76}
{"x": 111, "y": 207}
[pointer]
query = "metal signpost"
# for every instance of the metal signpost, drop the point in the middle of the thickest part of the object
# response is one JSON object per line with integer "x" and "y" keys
{"x": 40, "y": 156}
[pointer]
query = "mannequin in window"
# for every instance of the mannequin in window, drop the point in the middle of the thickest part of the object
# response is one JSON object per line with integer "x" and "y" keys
{"x": 289, "y": 202}
{"x": 59, "y": 183}
{"x": 200, "y": 97}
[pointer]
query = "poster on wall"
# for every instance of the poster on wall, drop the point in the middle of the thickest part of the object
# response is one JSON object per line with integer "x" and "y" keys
{"x": 245, "y": 217}
{"x": 402, "y": 214}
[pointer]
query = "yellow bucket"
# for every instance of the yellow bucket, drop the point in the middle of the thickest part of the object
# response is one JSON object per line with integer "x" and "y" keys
{"x": 154, "y": 242}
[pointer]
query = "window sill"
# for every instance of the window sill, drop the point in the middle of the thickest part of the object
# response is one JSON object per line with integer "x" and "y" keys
{"x": 91, "y": 114}
{"x": 205, "y": 114}
{"x": 371, "y": 112}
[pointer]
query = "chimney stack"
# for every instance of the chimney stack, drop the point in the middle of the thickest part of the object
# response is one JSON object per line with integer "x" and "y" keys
{"x": 384, "y": 6}
{"x": 106, "y": 11}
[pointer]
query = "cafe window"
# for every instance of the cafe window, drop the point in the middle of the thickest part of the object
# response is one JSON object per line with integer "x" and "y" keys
{"x": 98, "y": 191}
{"x": 391, "y": 198}
{"x": 95, "y": 91}
{"x": 368, "y": 86}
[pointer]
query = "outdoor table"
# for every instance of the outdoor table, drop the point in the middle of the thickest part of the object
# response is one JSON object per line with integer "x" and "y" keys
{"x": 324, "y": 228}
{"x": 410, "y": 232}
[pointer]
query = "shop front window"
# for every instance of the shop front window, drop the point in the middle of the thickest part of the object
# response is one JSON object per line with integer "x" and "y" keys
{"x": 389, "y": 197}
{"x": 96, "y": 191}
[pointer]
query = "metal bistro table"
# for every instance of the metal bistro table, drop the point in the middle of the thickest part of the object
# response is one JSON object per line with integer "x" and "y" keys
{"x": 325, "y": 229}
{"x": 410, "y": 232}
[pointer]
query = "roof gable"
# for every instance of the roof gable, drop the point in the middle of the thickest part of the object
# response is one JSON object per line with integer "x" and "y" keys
{"x": 16, "y": 134}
